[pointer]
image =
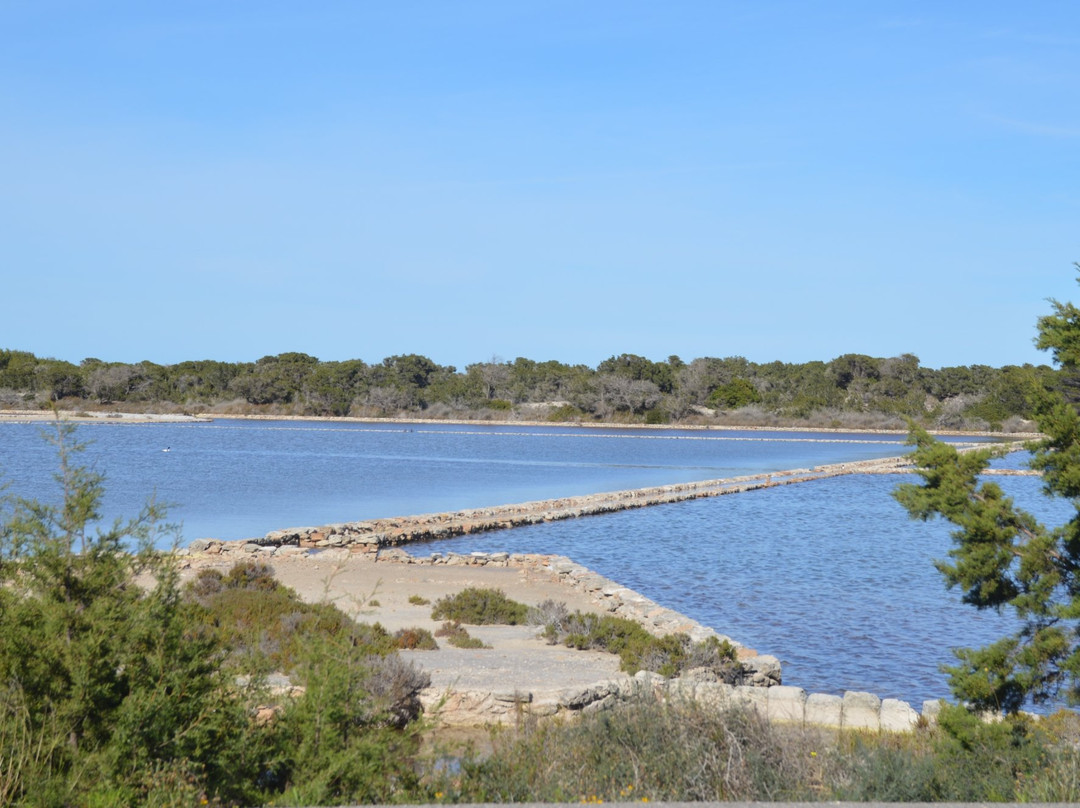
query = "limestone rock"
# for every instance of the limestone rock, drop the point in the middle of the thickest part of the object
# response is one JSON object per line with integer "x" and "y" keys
{"x": 786, "y": 704}
{"x": 897, "y": 716}
{"x": 762, "y": 671}
{"x": 861, "y": 711}
{"x": 824, "y": 710}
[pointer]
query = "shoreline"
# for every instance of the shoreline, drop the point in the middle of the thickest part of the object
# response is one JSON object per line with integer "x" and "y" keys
{"x": 110, "y": 417}
{"x": 304, "y": 550}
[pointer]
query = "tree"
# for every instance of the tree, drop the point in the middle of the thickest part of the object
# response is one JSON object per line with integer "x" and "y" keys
{"x": 1002, "y": 557}
{"x": 106, "y": 686}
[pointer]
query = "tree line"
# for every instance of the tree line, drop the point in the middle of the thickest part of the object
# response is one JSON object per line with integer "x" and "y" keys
{"x": 850, "y": 390}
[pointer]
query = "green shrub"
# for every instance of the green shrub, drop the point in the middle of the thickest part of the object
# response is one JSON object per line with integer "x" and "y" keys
{"x": 458, "y": 637}
{"x": 415, "y": 639}
{"x": 103, "y": 681}
{"x": 564, "y": 413}
{"x": 479, "y": 607}
{"x": 669, "y": 655}
{"x": 120, "y": 688}
{"x": 673, "y": 750}
{"x": 267, "y": 626}
{"x": 418, "y": 600}
{"x": 656, "y": 416}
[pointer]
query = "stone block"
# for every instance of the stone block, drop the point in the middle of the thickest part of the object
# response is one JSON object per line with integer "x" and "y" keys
{"x": 824, "y": 710}
{"x": 786, "y": 704}
{"x": 752, "y": 698}
{"x": 717, "y": 695}
{"x": 861, "y": 711}
{"x": 897, "y": 716}
{"x": 931, "y": 709}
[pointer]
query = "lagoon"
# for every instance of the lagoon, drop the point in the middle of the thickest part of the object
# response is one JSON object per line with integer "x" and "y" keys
{"x": 234, "y": 479}
{"x": 830, "y": 576}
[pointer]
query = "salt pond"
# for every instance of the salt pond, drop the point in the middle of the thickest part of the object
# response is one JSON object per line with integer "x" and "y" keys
{"x": 830, "y": 576}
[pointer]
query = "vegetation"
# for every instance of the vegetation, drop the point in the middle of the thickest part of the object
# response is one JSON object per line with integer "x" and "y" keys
{"x": 852, "y": 390}
{"x": 480, "y": 607}
{"x": 415, "y": 639}
{"x": 651, "y": 750}
{"x": 1002, "y": 557}
{"x": 458, "y": 636}
{"x": 670, "y": 655}
{"x": 120, "y": 687}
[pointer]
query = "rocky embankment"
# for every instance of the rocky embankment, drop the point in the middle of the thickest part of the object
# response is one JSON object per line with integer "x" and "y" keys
{"x": 372, "y": 535}
{"x": 491, "y": 702}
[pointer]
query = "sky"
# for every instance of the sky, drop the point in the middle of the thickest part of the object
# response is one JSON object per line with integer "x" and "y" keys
{"x": 474, "y": 180}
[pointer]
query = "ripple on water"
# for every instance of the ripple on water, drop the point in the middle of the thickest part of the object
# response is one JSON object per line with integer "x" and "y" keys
{"x": 831, "y": 576}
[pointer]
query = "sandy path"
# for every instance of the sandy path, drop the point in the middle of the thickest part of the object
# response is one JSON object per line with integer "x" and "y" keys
{"x": 379, "y": 592}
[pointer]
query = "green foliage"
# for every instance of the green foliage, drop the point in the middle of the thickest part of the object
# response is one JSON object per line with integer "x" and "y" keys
{"x": 266, "y": 626}
{"x": 350, "y": 736}
{"x": 103, "y": 679}
{"x": 656, "y": 416}
{"x": 1002, "y": 557}
{"x": 457, "y": 635}
{"x": 647, "y": 750}
{"x": 118, "y": 687}
{"x": 419, "y": 600}
{"x": 415, "y": 639}
{"x": 734, "y": 394}
{"x": 651, "y": 750}
{"x": 637, "y": 649}
{"x": 564, "y": 413}
{"x": 626, "y": 387}
{"x": 479, "y": 606}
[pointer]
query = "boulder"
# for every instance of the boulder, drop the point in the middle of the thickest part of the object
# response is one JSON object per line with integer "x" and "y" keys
{"x": 762, "y": 671}
{"x": 786, "y": 704}
{"x": 897, "y": 716}
{"x": 824, "y": 710}
{"x": 861, "y": 711}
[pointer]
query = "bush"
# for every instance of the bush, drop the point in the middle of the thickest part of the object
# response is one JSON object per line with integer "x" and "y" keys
{"x": 104, "y": 681}
{"x": 266, "y": 626}
{"x": 458, "y": 637}
{"x": 673, "y": 750}
{"x": 647, "y": 750}
{"x": 669, "y": 655}
{"x": 479, "y": 607}
{"x": 415, "y": 639}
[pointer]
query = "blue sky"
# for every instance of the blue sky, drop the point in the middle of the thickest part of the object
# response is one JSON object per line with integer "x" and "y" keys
{"x": 554, "y": 180}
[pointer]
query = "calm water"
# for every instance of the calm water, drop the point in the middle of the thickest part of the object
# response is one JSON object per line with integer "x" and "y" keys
{"x": 235, "y": 479}
{"x": 830, "y": 576}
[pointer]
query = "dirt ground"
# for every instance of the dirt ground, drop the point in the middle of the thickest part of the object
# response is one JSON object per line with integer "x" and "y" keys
{"x": 379, "y": 592}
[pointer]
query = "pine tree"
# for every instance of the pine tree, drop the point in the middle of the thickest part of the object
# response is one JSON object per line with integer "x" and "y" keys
{"x": 1003, "y": 558}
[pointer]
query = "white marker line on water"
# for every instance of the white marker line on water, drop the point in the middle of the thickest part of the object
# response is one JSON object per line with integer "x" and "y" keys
{"x": 500, "y": 434}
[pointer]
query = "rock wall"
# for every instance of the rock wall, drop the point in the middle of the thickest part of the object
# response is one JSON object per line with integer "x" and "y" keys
{"x": 372, "y": 535}
{"x": 780, "y": 703}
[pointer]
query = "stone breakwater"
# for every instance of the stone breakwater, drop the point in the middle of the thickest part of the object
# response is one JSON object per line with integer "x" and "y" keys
{"x": 370, "y": 536}
{"x": 781, "y": 704}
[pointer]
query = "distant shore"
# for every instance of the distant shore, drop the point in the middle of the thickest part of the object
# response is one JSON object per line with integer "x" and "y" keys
{"x": 110, "y": 417}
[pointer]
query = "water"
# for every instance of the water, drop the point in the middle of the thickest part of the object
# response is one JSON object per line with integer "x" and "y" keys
{"x": 830, "y": 576}
{"x": 237, "y": 479}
